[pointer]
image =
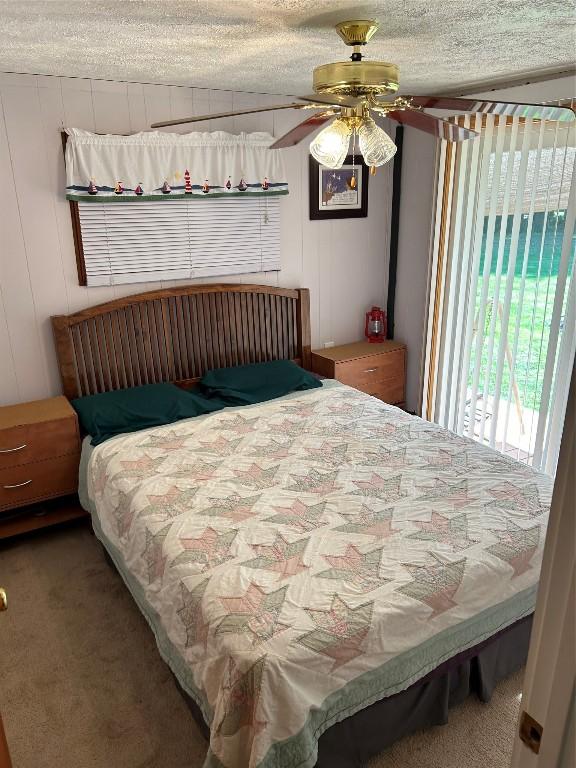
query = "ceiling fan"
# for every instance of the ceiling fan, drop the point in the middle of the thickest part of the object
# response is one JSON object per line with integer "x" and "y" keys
{"x": 350, "y": 92}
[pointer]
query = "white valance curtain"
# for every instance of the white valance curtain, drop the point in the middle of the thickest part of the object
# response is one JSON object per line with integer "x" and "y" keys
{"x": 108, "y": 168}
{"x": 502, "y": 320}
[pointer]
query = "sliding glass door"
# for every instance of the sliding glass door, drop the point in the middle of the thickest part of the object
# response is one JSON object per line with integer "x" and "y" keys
{"x": 502, "y": 316}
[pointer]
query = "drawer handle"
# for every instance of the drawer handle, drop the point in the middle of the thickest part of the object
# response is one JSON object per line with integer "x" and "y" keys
{"x": 370, "y": 370}
{"x": 12, "y": 450}
{"x": 17, "y": 485}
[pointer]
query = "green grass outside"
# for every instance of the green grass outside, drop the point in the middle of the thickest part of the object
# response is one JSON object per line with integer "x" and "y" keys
{"x": 533, "y": 314}
{"x": 533, "y": 317}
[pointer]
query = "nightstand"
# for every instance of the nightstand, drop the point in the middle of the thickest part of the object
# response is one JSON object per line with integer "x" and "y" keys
{"x": 377, "y": 369}
{"x": 39, "y": 458}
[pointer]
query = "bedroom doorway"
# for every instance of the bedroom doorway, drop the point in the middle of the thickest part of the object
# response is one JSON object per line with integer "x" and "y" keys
{"x": 501, "y": 333}
{"x": 548, "y": 691}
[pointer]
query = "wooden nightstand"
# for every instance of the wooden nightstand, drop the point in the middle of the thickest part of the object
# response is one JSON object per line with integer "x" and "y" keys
{"x": 39, "y": 458}
{"x": 377, "y": 369}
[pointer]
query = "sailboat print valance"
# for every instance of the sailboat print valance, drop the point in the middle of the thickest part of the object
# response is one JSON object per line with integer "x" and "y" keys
{"x": 165, "y": 166}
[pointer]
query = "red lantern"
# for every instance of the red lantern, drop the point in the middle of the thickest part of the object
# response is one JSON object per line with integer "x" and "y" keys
{"x": 376, "y": 326}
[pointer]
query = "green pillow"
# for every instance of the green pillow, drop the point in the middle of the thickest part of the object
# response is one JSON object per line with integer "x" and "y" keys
{"x": 127, "y": 410}
{"x": 248, "y": 384}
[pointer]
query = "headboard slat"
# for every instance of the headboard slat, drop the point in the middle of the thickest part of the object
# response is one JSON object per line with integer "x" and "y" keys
{"x": 177, "y": 334}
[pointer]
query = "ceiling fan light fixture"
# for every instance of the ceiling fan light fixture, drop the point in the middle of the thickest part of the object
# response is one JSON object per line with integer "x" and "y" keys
{"x": 330, "y": 146}
{"x": 376, "y": 146}
{"x": 352, "y": 89}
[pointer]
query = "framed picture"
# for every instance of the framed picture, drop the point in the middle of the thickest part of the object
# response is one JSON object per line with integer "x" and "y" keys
{"x": 332, "y": 196}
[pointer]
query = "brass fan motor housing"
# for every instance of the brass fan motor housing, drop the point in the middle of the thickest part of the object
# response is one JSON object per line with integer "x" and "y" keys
{"x": 356, "y": 78}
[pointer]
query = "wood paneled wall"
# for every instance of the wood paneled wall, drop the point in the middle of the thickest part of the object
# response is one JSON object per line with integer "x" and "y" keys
{"x": 343, "y": 263}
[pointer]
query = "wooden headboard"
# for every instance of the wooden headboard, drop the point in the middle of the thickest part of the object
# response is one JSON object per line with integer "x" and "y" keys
{"x": 177, "y": 334}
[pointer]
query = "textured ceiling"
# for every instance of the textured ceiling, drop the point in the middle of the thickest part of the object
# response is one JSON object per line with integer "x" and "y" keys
{"x": 271, "y": 46}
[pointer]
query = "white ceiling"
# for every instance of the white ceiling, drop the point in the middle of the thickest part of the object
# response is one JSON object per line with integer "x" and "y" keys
{"x": 271, "y": 46}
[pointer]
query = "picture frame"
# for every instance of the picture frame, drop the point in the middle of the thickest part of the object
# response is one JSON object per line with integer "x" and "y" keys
{"x": 330, "y": 196}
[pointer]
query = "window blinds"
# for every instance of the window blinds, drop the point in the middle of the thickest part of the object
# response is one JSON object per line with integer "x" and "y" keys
{"x": 502, "y": 319}
{"x": 150, "y": 241}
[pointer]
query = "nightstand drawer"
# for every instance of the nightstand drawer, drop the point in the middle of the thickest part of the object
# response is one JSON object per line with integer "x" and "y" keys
{"x": 41, "y": 480}
{"x": 34, "y": 442}
{"x": 389, "y": 391}
{"x": 367, "y": 371}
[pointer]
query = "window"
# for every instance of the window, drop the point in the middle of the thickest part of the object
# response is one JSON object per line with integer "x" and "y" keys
{"x": 150, "y": 241}
{"x": 166, "y": 206}
{"x": 502, "y": 317}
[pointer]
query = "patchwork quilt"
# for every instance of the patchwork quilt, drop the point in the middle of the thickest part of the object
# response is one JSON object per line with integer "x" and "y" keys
{"x": 303, "y": 558}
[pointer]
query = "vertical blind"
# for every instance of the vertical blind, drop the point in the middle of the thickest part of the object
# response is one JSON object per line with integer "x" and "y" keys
{"x": 502, "y": 319}
{"x": 181, "y": 239}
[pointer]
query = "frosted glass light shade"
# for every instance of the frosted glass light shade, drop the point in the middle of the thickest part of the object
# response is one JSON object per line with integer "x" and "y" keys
{"x": 330, "y": 147}
{"x": 375, "y": 144}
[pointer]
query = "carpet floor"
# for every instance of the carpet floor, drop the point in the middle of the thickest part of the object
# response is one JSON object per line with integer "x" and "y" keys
{"x": 83, "y": 686}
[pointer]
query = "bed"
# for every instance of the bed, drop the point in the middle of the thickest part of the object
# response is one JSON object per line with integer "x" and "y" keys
{"x": 323, "y": 572}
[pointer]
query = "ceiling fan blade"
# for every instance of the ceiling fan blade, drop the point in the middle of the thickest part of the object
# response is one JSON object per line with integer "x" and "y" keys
{"x": 333, "y": 100}
{"x": 216, "y": 115}
{"x": 434, "y": 125}
{"x": 537, "y": 111}
{"x": 302, "y": 130}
